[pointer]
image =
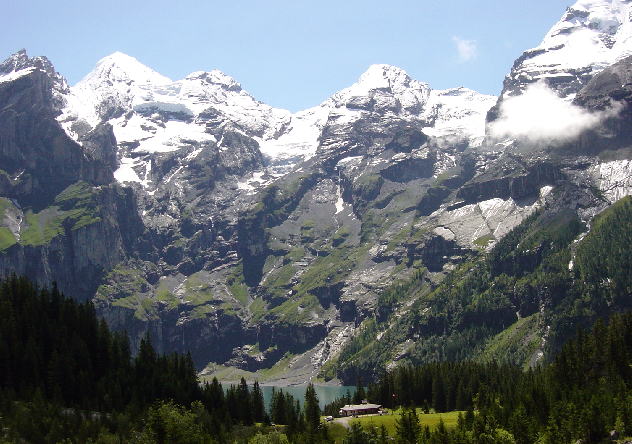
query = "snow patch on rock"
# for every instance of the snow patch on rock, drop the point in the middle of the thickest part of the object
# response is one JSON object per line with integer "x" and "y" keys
{"x": 300, "y": 139}
{"x": 457, "y": 112}
{"x": 614, "y": 179}
{"x": 492, "y": 217}
{"x": 14, "y": 75}
{"x": 150, "y": 113}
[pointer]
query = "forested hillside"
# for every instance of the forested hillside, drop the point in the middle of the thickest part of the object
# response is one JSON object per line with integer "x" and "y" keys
{"x": 584, "y": 394}
{"x": 517, "y": 304}
{"x": 65, "y": 376}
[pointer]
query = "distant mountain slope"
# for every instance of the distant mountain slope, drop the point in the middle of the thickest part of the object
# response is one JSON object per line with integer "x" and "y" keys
{"x": 266, "y": 242}
{"x": 517, "y": 304}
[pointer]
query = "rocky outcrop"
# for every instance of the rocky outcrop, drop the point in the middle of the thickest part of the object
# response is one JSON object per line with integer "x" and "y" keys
{"x": 75, "y": 242}
{"x": 432, "y": 200}
{"x": 436, "y": 250}
{"x": 72, "y": 223}
{"x": 510, "y": 178}
{"x": 613, "y": 84}
{"x": 608, "y": 93}
{"x": 35, "y": 152}
{"x": 207, "y": 338}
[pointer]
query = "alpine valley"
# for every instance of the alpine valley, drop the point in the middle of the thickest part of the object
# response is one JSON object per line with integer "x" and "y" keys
{"x": 393, "y": 223}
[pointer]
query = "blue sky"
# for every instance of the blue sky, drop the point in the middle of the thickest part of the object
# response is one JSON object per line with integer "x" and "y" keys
{"x": 291, "y": 54}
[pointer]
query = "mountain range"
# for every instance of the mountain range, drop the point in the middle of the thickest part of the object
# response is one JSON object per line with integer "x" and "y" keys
{"x": 391, "y": 223}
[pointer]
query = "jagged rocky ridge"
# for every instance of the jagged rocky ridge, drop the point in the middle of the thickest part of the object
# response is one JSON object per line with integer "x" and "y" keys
{"x": 262, "y": 240}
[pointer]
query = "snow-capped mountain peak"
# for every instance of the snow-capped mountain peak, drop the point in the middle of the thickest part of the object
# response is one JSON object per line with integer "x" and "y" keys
{"x": 151, "y": 114}
{"x": 121, "y": 67}
{"x": 381, "y": 76}
{"x": 590, "y": 36}
{"x": 385, "y": 86}
{"x": 120, "y": 83}
{"x": 380, "y": 89}
{"x": 457, "y": 112}
{"x": 117, "y": 82}
{"x": 215, "y": 77}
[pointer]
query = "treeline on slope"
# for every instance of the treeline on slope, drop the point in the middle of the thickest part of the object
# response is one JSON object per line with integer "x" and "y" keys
{"x": 65, "y": 376}
{"x": 583, "y": 395}
{"x": 438, "y": 386}
{"x": 529, "y": 280}
{"x": 57, "y": 347}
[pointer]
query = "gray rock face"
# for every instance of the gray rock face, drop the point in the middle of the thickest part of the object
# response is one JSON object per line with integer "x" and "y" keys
{"x": 61, "y": 239}
{"x": 21, "y": 61}
{"x": 73, "y": 242}
{"x": 613, "y": 83}
{"x": 35, "y": 153}
{"x": 510, "y": 177}
{"x": 608, "y": 92}
{"x": 262, "y": 240}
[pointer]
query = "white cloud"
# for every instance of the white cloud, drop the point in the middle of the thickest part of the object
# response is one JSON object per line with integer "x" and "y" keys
{"x": 539, "y": 115}
{"x": 467, "y": 49}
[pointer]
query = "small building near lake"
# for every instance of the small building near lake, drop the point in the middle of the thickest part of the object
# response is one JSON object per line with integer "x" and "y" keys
{"x": 360, "y": 409}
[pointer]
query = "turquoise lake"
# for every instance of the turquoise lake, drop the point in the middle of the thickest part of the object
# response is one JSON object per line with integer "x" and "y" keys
{"x": 325, "y": 393}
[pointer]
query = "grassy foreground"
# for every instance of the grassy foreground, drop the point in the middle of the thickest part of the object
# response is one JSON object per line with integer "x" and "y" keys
{"x": 337, "y": 431}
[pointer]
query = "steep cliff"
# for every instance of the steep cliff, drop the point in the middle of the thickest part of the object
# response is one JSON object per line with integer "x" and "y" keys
{"x": 281, "y": 245}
